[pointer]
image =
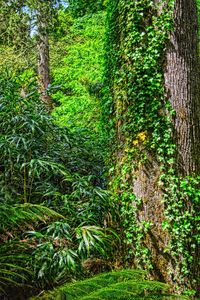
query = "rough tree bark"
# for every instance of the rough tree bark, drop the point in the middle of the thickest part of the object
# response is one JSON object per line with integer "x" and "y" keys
{"x": 182, "y": 86}
{"x": 182, "y": 83}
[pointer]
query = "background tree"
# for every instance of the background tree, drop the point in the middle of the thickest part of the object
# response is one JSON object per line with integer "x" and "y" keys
{"x": 28, "y": 23}
{"x": 14, "y": 26}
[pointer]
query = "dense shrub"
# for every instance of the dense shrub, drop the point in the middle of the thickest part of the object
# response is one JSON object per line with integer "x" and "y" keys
{"x": 51, "y": 187}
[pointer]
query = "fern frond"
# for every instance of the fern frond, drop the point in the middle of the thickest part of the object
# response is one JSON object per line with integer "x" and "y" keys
{"x": 123, "y": 285}
{"x": 17, "y": 215}
{"x": 11, "y": 272}
{"x": 39, "y": 211}
{"x": 13, "y": 257}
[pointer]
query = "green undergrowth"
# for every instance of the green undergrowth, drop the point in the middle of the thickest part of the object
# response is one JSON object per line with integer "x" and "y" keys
{"x": 124, "y": 284}
{"x": 53, "y": 209}
{"x": 77, "y": 73}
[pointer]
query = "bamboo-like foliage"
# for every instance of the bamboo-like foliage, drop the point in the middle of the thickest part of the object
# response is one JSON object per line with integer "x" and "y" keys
{"x": 55, "y": 214}
{"x": 38, "y": 158}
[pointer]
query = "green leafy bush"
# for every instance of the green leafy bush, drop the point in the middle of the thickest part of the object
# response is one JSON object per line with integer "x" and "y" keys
{"x": 51, "y": 192}
{"x": 77, "y": 73}
{"x": 80, "y": 8}
{"x": 38, "y": 158}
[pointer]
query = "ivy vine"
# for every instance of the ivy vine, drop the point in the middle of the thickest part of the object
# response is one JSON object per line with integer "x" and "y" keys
{"x": 138, "y": 117}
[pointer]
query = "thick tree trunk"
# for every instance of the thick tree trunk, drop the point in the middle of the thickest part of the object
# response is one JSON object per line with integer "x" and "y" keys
{"x": 181, "y": 79}
{"x": 182, "y": 83}
{"x": 182, "y": 86}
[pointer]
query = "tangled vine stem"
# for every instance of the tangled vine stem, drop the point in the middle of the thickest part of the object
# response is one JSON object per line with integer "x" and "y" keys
{"x": 159, "y": 205}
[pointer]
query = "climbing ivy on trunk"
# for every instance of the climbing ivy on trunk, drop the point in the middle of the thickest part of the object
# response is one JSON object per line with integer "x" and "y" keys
{"x": 153, "y": 111}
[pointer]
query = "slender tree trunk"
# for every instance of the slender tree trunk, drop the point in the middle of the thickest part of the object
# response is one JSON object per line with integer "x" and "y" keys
{"x": 43, "y": 57}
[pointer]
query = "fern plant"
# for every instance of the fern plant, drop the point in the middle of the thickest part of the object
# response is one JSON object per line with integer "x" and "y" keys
{"x": 15, "y": 257}
{"x": 123, "y": 285}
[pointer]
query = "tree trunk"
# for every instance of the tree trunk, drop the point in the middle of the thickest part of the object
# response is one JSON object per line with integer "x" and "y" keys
{"x": 43, "y": 57}
{"x": 182, "y": 83}
{"x": 182, "y": 86}
{"x": 181, "y": 79}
